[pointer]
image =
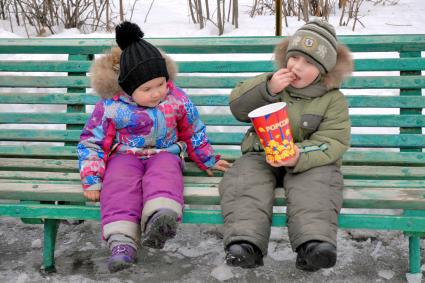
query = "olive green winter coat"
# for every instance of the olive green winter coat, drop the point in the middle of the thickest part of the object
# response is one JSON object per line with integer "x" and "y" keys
{"x": 320, "y": 127}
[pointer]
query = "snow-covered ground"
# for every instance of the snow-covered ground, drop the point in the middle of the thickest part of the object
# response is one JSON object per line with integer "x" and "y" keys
{"x": 196, "y": 255}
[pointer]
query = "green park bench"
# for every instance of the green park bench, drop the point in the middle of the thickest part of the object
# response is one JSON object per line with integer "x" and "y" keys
{"x": 45, "y": 88}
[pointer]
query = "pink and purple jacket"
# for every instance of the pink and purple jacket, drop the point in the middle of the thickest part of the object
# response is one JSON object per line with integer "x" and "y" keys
{"x": 120, "y": 124}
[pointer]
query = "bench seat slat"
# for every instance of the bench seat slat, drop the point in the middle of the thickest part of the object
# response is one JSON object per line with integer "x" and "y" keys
{"x": 351, "y": 157}
{"x": 373, "y": 82}
{"x": 345, "y": 221}
{"x": 390, "y": 198}
{"x": 60, "y": 177}
{"x": 365, "y": 221}
{"x": 349, "y": 171}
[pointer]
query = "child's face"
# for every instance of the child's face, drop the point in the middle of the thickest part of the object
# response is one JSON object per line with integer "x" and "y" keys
{"x": 304, "y": 71}
{"x": 151, "y": 93}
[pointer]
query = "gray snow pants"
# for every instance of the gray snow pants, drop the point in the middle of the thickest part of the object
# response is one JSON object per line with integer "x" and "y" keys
{"x": 314, "y": 200}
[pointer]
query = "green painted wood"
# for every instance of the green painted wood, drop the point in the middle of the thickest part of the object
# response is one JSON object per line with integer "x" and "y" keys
{"x": 45, "y": 81}
{"x": 359, "y": 140}
{"x": 354, "y": 197}
{"x": 371, "y": 157}
{"x": 409, "y": 92}
{"x": 383, "y": 172}
{"x": 202, "y": 45}
{"x": 372, "y": 120}
{"x": 351, "y": 157}
{"x": 370, "y": 101}
{"x": 258, "y": 66}
{"x": 71, "y": 212}
{"x": 50, "y": 231}
{"x": 29, "y": 220}
{"x": 380, "y": 141}
{"x": 192, "y": 216}
{"x": 388, "y": 120}
{"x": 387, "y": 172}
{"x": 76, "y": 108}
{"x": 375, "y": 64}
{"x": 354, "y": 101}
{"x": 44, "y": 66}
{"x": 345, "y": 221}
{"x": 44, "y": 151}
{"x": 389, "y": 64}
{"x": 74, "y": 178}
{"x": 372, "y": 82}
{"x": 48, "y": 98}
{"x": 414, "y": 254}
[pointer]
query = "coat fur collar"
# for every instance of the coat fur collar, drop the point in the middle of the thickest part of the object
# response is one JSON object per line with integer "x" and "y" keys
{"x": 331, "y": 80}
{"x": 105, "y": 70}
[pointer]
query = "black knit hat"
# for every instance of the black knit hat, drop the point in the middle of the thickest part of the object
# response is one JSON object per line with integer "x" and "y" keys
{"x": 140, "y": 61}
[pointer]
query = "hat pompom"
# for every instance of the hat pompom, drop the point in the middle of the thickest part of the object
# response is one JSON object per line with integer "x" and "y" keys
{"x": 126, "y": 33}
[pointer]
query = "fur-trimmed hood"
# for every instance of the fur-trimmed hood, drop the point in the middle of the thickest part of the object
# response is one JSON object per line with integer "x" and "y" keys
{"x": 105, "y": 70}
{"x": 333, "y": 79}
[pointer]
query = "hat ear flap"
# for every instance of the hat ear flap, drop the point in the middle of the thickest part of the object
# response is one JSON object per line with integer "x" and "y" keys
{"x": 280, "y": 52}
{"x": 343, "y": 68}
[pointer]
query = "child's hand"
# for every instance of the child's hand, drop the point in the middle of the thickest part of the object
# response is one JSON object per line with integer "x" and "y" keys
{"x": 92, "y": 195}
{"x": 288, "y": 162}
{"x": 221, "y": 165}
{"x": 280, "y": 80}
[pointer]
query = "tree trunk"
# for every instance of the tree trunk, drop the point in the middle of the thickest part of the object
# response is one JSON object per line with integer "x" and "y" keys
{"x": 219, "y": 19}
{"x": 3, "y": 14}
{"x": 207, "y": 9}
{"x": 191, "y": 12}
{"x": 200, "y": 15}
{"x": 121, "y": 11}
{"x": 342, "y": 13}
{"x": 236, "y": 13}
{"x": 16, "y": 12}
{"x": 108, "y": 20}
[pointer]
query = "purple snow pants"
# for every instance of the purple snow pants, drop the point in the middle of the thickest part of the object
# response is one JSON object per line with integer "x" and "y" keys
{"x": 131, "y": 183}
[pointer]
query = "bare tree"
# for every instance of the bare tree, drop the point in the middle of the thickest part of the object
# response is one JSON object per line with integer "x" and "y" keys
{"x": 201, "y": 14}
{"x": 192, "y": 13}
{"x": 235, "y": 13}
{"x": 220, "y": 22}
{"x": 207, "y": 9}
{"x": 122, "y": 11}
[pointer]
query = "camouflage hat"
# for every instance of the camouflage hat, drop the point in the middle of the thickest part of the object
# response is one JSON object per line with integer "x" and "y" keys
{"x": 316, "y": 40}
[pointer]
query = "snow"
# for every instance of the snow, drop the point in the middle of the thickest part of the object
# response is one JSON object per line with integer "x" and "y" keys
{"x": 387, "y": 274}
{"x": 197, "y": 255}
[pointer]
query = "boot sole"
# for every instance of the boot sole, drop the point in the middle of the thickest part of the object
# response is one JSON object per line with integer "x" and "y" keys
{"x": 241, "y": 263}
{"x": 161, "y": 230}
{"x": 322, "y": 258}
{"x": 119, "y": 265}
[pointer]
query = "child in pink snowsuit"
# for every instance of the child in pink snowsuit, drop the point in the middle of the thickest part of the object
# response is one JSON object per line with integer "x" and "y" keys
{"x": 130, "y": 148}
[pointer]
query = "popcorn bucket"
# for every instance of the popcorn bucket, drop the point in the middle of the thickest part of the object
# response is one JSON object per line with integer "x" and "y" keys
{"x": 272, "y": 126}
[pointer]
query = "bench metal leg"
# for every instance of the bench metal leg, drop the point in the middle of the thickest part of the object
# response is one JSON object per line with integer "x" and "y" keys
{"x": 50, "y": 231}
{"x": 415, "y": 273}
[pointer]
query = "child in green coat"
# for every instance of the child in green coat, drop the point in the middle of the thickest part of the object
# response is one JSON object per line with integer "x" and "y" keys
{"x": 312, "y": 65}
